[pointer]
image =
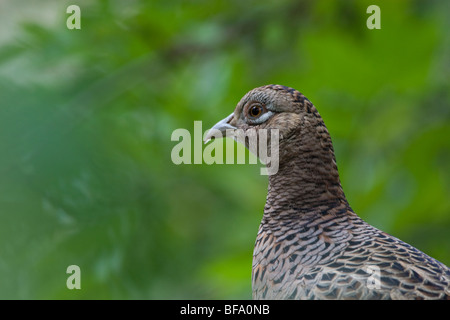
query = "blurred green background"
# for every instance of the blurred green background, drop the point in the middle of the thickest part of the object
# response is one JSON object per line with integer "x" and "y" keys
{"x": 86, "y": 118}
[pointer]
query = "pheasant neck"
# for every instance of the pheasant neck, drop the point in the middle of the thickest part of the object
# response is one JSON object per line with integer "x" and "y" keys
{"x": 308, "y": 177}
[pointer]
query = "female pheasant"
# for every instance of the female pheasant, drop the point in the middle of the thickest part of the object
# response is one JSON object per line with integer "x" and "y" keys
{"x": 310, "y": 244}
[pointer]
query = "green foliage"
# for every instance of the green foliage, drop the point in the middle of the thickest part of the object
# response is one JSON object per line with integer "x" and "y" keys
{"x": 86, "y": 118}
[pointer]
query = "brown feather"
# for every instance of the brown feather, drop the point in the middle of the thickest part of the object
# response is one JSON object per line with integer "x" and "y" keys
{"x": 310, "y": 244}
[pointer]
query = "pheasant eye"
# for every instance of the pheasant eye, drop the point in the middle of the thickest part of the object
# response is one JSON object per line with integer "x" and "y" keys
{"x": 255, "y": 111}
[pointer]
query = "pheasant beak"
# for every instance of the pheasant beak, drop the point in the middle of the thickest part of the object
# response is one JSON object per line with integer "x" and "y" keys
{"x": 220, "y": 128}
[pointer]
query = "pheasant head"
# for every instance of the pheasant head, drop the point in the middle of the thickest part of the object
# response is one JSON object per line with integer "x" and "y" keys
{"x": 307, "y": 173}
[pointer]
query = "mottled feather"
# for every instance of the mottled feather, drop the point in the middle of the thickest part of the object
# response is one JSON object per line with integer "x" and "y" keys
{"x": 310, "y": 244}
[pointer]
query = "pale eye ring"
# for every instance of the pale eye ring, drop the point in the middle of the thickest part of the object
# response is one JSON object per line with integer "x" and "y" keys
{"x": 255, "y": 111}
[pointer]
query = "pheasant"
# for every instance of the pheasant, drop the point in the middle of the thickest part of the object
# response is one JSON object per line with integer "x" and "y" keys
{"x": 311, "y": 244}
